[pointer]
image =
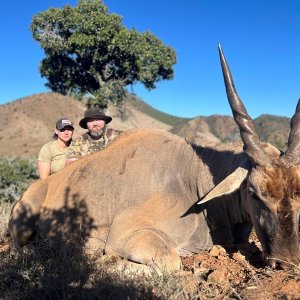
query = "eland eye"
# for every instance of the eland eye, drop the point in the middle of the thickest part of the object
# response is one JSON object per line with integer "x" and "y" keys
{"x": 251, "y": 190}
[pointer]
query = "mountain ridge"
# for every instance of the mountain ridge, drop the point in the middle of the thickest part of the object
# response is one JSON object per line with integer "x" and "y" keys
{"x": 28, "y": 123}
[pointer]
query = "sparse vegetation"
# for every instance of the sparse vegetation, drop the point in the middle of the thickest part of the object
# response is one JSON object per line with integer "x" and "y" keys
{"x": 273, "y": 129}
{"x": 61, "y": 270}
{"x": 5, "y": 208}
{"x": 15, "y": 176}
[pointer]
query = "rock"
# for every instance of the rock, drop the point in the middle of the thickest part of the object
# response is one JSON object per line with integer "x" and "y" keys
{"x": 219, "y": 276}
{"x": 202, "y": 271}
{"x": 238, "y": 256}
{"x": 217, "y": 250}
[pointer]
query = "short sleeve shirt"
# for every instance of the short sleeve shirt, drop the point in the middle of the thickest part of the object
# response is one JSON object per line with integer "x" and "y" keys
{"x": 52, "y": 154}
{"x": 85, "y": 144}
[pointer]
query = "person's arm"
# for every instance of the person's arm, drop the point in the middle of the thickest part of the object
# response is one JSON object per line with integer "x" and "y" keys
{"x": 43, "y": 169}
{"x": 69, "y": 160}
{"x": 44, "y": 162}
{"x": 73, "y": 152}
{"x": 111, "y": 134}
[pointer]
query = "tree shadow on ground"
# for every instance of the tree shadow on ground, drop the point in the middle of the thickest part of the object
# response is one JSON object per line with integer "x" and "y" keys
{"x": 58, "y": 267}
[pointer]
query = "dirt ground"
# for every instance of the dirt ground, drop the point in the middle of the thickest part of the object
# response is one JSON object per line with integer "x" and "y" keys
{"x": 217, "y": 274}
{"x": 243, "y": 274}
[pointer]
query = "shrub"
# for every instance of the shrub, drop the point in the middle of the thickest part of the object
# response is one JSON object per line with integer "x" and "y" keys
{"x": 15, "y": 176}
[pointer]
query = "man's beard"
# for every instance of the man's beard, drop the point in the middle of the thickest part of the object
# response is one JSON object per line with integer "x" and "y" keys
{"x": 96, "y": 134}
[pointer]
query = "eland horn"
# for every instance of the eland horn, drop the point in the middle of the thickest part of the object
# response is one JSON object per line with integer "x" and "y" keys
{"x": 252, "y": 144}
{"x": 292, "y": 153}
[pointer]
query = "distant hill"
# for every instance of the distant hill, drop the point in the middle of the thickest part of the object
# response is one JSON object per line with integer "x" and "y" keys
{"x": 28, "y": 123}
{"x": 208, "y": 130}
{"x": 222, "y": 129}
{"x": 273, "y": 129}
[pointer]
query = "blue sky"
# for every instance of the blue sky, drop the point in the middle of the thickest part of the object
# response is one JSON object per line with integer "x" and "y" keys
{"x": 261, "y": 41}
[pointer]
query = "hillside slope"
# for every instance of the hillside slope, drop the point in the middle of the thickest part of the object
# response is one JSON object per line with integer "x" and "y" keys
{"x": 222, "y": 129}
{"x": 28, "y": 123}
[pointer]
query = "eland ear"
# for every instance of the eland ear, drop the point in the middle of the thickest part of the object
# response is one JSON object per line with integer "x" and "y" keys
{"x": 227, "y": 186}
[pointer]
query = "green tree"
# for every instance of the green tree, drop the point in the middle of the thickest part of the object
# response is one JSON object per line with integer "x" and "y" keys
{"x": 89, "y": 52}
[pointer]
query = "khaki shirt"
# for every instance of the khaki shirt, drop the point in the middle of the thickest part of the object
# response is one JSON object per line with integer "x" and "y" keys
{"x": 85, "y": 144}
{"x": 52, "y": 154}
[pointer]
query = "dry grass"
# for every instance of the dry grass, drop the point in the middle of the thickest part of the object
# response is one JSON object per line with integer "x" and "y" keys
{"x": 61, "y": 271}
{"x": 4, "y": 215}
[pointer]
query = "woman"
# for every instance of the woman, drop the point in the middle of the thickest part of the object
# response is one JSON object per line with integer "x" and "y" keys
{"x": 52, "y": 156}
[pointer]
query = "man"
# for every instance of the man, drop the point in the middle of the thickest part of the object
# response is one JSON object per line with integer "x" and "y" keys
{"x": 97, "y": 137}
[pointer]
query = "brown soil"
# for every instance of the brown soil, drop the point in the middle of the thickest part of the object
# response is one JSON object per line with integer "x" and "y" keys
{"x": 208, "y": 275}
{"x": 242, "y": 276}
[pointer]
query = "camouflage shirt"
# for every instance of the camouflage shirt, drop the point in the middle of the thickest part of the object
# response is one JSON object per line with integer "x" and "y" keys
{"x": 85, "y": 145}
